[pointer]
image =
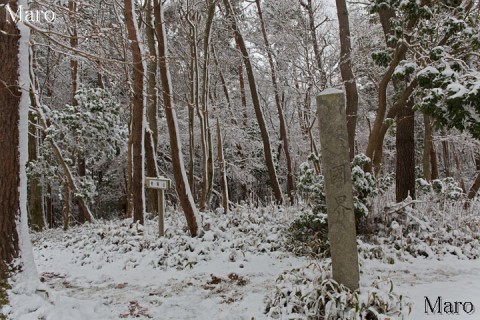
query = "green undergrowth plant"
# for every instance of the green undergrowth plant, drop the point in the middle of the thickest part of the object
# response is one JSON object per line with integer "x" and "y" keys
{"x": 309, "y": 232}
{"x": 310, "y": 293}
{"x": 4, "y": 287}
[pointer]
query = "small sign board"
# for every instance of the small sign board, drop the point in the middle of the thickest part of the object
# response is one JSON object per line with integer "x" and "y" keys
{"x": 157, "y": 183}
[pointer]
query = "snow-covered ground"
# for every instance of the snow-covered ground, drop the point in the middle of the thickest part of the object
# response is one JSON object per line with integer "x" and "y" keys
{"x": 113, "y": 270}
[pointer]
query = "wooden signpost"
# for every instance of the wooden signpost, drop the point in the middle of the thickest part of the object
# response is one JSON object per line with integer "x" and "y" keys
{"x": 161, "y": 184}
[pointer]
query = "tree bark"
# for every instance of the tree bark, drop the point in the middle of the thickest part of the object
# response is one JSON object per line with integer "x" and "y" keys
{"x": 221, "y": 163}
{"x": 36, "y": 213}
{"x": 151, "y": 135}
{"x": 66, "y": 206}
{"x": 10, "y": 95}
{"x": 15, "y": 247}
{"x": 152, "y": 170}
{"x": 243, "y": 96}
{"x": 181, "y": 181}
{"x": 374, "y": 138}
{"x": 458, "y": 166}
{"x": 476, "y": 184}
{"x": 72, "y": 15}
{"x": 205, "y": 101}
{"x": 427, "y": 144}
{"x": 405, "y": 145}
{"x": 138, "y": 117}
{"x": 446, "y": 157}
{"x": 346, "y": 71}
{"x": 256, "y": 103}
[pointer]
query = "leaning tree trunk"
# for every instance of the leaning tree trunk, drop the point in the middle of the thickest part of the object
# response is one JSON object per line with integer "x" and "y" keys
{"x": 281, "y": 115}
{"x": 205, "y": 102}
{"x": 277, "y": 192}
{"x": 138, "y": 117}
{"x": 181, "y": 181}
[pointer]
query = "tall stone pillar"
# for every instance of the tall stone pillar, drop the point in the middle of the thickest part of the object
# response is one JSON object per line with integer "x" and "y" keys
{"x": 338, "y": 185}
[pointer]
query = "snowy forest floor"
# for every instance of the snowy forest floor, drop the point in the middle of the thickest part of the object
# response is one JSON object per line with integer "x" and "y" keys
{"x": 115, "y": 270}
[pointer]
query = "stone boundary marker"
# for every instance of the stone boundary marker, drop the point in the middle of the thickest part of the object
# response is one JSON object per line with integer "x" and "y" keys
{"x": 338, "y": 185}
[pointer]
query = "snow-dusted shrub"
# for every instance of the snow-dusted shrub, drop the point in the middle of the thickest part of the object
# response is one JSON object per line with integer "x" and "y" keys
{"x": 447, "y": 188}
{"x": 310, "y": 293}
{"x": 312, "y": 187}
{"x": 428, "y": 227}
{"x": 94, "y": 132}
{"x": 308, "y": 234}
{"x": 310, "y": 230}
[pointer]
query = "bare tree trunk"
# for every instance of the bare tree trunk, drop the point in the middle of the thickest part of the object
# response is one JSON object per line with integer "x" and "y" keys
{"x": 191, "y": 118}
{"x": 152, "y": 170}
{"x": 66, "y": 206}
{"x": 405, "y": 145}
{"x": 446, "y": 157}
{"x": 205, "y": 97}
{"x": 72, "y": 9}
{"x": 458, "y": 166}
{"x": 316, "y": 48}
{"x": 375, "y": 140}
{"x": 433, "y": 161}
{"x": 221, "y": 163}
{"x": 281, "y": 115}
{"x": 256, "y": 103}
{"x": 181, "y": 181}
{"x": 129, "y": 173}
{"x": 243, "y": 96}
{"x": 346, "y": 71}
{"x": 138, "y": 117}
{"x": 49, "y": 207}
{"x": 36, "y": 211}
{"x": 224, "y": 86}
{"x": 427, "y": 145}
{"x": 14, "y": 239}
{"x": 151, "y": 135}
{"x": 476, "y": 184}
{"x": 82, "y": 172}
{"x": 151, "y": 75}
{"x": 9, "y": 145}
{"x": 72, "y": 14}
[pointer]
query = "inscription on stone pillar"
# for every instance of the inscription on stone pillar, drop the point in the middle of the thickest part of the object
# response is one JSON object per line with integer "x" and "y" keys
{"x": 338, "y": 187}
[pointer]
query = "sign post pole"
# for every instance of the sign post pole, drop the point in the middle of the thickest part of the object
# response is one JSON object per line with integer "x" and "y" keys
{"x": 161, "y": 184}
{"x": 161, "y": 212}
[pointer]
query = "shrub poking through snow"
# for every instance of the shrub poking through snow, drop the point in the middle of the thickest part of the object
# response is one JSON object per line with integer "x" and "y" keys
{"x": 446, "y": 188}
{"x": 365, "y": 187}
{"x": 423, "y": 228}
{"x": 309, "y": 232}
{"x": 304, "y": 294}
